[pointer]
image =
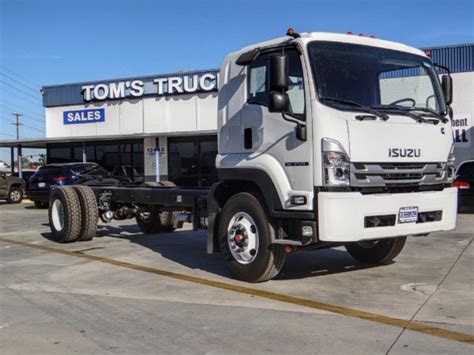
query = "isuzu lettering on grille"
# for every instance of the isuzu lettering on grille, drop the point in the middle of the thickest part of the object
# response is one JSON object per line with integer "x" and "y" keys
{"x": 404, "y": 153}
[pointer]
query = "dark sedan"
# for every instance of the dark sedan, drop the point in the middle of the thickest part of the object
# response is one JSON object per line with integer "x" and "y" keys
{"x": 66, "y": 174}
{"x": 464, "y": 181}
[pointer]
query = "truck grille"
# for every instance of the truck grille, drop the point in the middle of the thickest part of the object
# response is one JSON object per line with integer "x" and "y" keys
{"x": 397, "y": 174}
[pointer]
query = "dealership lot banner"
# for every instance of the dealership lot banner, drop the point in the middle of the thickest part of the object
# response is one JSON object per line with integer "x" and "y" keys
{"x": 462, "y": 130}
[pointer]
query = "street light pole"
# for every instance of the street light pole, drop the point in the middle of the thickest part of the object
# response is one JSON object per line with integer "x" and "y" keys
{"x": 19, "y": 158}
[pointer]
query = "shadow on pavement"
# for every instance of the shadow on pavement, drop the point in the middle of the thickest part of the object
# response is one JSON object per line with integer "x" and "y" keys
{"x": 188, "y": 248}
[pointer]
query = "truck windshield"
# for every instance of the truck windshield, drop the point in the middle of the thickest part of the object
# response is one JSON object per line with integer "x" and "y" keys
{"x": 375, "y": 77}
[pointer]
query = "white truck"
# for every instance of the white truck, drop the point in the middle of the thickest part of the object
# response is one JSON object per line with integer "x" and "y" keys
{"x": 324, "y": 140}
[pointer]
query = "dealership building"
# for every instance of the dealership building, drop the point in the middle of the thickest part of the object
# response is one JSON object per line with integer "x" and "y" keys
{"x": 164, "y": 127}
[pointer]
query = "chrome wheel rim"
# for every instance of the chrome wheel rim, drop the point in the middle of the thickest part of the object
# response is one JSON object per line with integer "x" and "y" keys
{"x": 57, "y": 215}
{"x": 242, "y": 238}
{"x": 15, "y": 195}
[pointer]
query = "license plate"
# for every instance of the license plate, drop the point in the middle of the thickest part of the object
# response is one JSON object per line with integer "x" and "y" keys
{"x": 41, "y": 184}
{"x": 408, "y": 215}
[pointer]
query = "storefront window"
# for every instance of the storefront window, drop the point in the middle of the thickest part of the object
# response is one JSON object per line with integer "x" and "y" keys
{"x": 191, "y": 161}
{"x": 123, "y": 158}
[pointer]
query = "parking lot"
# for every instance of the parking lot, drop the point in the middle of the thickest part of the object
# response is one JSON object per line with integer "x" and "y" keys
{"x": 125, "y": 292}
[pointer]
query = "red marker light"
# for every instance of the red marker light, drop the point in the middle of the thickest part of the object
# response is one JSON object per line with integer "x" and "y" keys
{"x": 427, "y": 52}
{"x": 462, "y": 185}
{"x": 60, "y": 179}
{"x": 361, "y": 35}
{"x": 290, "y": 32}
{"x": 349, "y": 33}
{"x": 372, "y": 36}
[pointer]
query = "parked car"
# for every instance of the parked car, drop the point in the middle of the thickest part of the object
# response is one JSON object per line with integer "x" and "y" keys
{"x": 464, "y": 181}
{"x": 66, "y": 174}
{"x": 12, "y": 188}
{"x": 26, "y": 175}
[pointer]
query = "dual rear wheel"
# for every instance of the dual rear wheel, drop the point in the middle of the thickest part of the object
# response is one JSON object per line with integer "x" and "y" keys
{"x": 73, "y": 214}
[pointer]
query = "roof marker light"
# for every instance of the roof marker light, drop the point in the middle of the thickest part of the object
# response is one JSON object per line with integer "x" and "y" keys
{"x": 348, "y": 33}
{"x": 372, "y": 36}
{"x": 291, "y": 32}
{"x": 361, "y": 35}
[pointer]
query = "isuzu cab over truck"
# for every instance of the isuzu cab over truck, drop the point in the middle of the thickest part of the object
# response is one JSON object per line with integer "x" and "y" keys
{"x": 323, "y": 140}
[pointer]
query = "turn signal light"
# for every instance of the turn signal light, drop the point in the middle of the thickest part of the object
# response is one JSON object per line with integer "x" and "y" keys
{"x": 462, "y": 185}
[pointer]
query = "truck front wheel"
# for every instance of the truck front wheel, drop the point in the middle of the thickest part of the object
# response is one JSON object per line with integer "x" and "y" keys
{"x": 245, "y": 236}
{"x": 376, "y": 251}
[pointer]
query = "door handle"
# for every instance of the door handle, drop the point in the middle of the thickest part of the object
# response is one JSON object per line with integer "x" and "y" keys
{"x": 248, "y": 138}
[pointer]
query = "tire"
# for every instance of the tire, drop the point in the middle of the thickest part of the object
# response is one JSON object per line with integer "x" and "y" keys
{"x": 15, "y": 195}
{"x": 166, "y": 218}
{"x": 89, "y": 212}
{"x": 41, "y": 205}
{"x": 267, "y": 259}
{"x": 152, "y": 223}
{"x": 65, "y": 217}
{"x": 378, "y": 251}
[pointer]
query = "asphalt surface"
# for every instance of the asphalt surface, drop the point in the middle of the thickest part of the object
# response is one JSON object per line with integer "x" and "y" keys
{"x": 56, "y": 303}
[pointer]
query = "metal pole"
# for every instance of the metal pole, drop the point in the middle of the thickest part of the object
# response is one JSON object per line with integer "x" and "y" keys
{"x": 18, "y": 155}
{"x": 12, "y": 159}
{"x": 84, "y": 153}
{"x": 20, "y": 158}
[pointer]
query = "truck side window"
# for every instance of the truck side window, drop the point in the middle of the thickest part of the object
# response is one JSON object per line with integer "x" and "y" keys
{"x": 258, "y": 91}
{"x": 258, "y": 82}
{"x": 295, "y": 84}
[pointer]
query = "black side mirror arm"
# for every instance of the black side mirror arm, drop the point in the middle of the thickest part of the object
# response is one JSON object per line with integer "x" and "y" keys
{"x": 301, "y": 131}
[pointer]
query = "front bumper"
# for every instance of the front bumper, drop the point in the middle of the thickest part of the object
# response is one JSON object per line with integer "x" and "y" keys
{"x": 342, "y": 215}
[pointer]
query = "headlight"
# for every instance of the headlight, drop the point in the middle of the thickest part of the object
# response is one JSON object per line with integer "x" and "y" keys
{"x": 336, "y": 165}
{"x": 450, "y": 164}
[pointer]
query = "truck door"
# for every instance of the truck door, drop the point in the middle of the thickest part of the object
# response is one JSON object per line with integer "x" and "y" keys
{"x": 273, "y": 137}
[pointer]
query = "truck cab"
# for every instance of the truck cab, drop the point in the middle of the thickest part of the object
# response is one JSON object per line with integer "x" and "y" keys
{"x": 329, "y": 139}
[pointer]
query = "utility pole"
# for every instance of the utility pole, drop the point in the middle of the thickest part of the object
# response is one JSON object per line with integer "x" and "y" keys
{"x": 18, "y": 154}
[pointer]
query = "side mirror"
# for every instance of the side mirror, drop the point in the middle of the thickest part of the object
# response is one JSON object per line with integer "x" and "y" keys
{"x": 447, "y": 84}
{"x": 278, "y": 72}
{"x": 278, "y": 102}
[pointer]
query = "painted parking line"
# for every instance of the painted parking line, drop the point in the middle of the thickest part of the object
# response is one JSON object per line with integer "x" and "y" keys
{"x": 349, "y": 312}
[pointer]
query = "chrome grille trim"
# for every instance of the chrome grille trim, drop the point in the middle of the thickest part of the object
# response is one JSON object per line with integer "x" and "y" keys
{"x": 390, "y": 174}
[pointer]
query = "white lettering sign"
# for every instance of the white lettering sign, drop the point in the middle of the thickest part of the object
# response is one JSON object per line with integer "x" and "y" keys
{"x": 161, "y": 86}
{"x": 462, "y": 130}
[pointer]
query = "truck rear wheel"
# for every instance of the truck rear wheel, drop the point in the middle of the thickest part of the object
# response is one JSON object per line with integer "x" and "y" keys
{"x": 89, "y": 212}
{"x": 65, "y": 217}
{"x": 149, "y": 221}
{"x": 15, "y": 195}
{"x": 245, "y": 236}
{"x": 376, "y": 251}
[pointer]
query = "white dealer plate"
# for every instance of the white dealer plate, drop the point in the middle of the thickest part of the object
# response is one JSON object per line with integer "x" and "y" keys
{"x": 408, "y": 215}
{"x": 41, "y": 184}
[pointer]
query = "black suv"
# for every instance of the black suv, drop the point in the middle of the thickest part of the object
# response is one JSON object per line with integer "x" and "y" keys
{"x": 464, "y": 181}
{"x": 66, "y": 174}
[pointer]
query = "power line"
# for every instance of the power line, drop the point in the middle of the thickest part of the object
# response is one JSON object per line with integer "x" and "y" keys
{"x": 16, "y": 109}
{"x": 19, "y": 76}
{"x": 35, "y": 90}
{"x": 38, "y": 129}
{"x": 19, "y": 97}
{"x": 9, "y": 119}
{"x": 20, "y": 90}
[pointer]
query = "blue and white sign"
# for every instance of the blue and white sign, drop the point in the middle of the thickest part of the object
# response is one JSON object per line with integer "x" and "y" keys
{"x": 84, "y": 116}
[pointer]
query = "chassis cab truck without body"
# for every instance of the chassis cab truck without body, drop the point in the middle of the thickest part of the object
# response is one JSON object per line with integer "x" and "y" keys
{"x": 323, "y": 140}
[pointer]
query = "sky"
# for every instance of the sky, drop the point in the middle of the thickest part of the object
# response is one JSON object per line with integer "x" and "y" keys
{"x": 44, "y": 42}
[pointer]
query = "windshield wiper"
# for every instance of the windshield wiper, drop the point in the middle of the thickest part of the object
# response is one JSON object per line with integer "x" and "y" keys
{"x": 402, "y": 111}
{"x": 431, "y": 113}
{"x": 382, "y": 115}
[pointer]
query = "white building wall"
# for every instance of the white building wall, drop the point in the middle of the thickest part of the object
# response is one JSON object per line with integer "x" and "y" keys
{"x": 161, "y": 115}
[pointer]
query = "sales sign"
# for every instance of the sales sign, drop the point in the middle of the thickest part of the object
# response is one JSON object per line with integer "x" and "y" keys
{"x": 84, "y": 116}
